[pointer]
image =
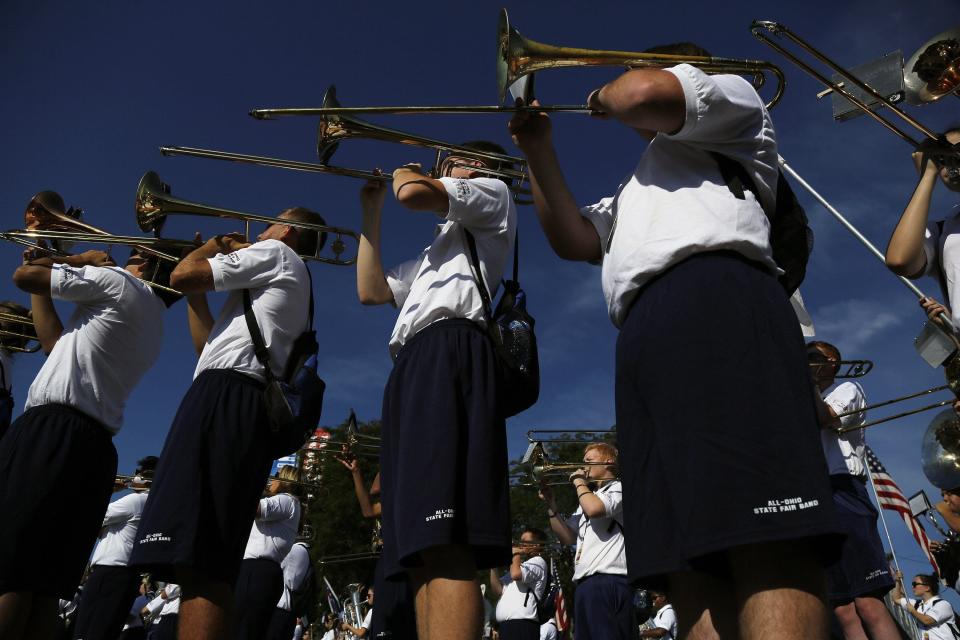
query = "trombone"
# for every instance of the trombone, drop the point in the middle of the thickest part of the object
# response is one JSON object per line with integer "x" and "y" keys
{"x": 349, "y": 557}
{"x": 917, "y": 90}
{"x": 847, "y": 369}
{"x": 154, "y": 203}
{"x": 14, "y": 339}
{"x": 518, "y": 57}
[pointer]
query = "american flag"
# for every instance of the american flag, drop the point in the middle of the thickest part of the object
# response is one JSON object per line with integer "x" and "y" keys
{"x": 561, "y": 617}
{"x": 890, "y": 497}
{"x": 332, "y": 600}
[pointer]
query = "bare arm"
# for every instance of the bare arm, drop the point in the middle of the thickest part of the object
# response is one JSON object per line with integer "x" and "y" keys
{"x": 571, "y": 236}
{"x": 372, "y": 287}
{"x": 368, "y": 508}
{"x": 495, "y": 587}
{"x": 645, "y": 99}
{"x": 418, "y": 192}
{"x": 905, "y": 255}
{"x": 199, "y": 319}
{"x": 564, "y": 534}
{"x": 516, "y": 572}
{"x": 193, "y": 274}
{"x": 653, "y": 633}
{"x": 826, "y": 416}
{"x": 590, "y": 504}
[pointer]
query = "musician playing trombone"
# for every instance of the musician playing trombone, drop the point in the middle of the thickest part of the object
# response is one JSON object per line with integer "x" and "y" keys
{"x": 443, "y": 391}
{"x": 689, "y": 279}
{"x": 603, "y": 602}
{"x": 63, "y": 440}
{"x": 522, "y": 589}
{"x": 218, "y": 453}
{"x": 860, "y": 577}
{"x": 919, "y": 247}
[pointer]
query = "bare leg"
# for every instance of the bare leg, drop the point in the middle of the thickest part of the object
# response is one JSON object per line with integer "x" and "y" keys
{"x": 14, "y": 613}
{"x": 44, "y": 623}
{"x": 204, "y": 609}
{"x": 850, "y": 622}
{"x": 448, "y": 596}
{"x": 780, "y": 589}
{"x": 877, "y": 620}
{"x": 705, "y": 606}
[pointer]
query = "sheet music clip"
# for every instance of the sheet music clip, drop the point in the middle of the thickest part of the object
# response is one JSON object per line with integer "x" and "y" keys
{"x": 934, "y": 344}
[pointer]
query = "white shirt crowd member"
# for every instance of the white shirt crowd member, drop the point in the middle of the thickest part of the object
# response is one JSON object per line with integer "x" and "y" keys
{"x": 942, "y": 250}
{"x": 95, "y": 369}
{"x": 666, "y": 618}
{"x": 942, "y": 613}
{"x": 548, "y": 630}
{"x": 676, "y": 204}
{"x": 600, "y": 546}
{"x": 295, "y": 567}
{"x": 844, "y": 452}
{"x": 519, "y": 598}
{"x": 439, "y": 283}
{"x": 280, "y": 295}
{"x": 119, "y": 530}
{"x": 167, "y": 602}
{"x": 273, "y": 532}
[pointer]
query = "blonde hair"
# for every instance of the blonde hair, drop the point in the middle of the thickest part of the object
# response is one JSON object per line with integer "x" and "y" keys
{"x": 289, "y": 478}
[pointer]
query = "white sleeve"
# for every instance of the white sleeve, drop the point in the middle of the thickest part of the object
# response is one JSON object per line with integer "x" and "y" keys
{"x": 255, "y": 266}
{"x": 478, "y": 203}
{"x": 719, "y": 108}
{"x": 612, "y": 500}
{"x": 668, "y": 621}
{"x": 931, "y": 240}
{"x": 600, "y": 216}
{"x": 119, "y": 510}
{"x": 155, "y": 605}
{"x": 847, "y": 397}
{"x": 367, "y": 619}
{"x": 400, "y": 278}
{"x": 941, "y": 611}
{"x": 84, "y": 284}
{"x": 278, "y": 507}
{"x": 533, "y": 571}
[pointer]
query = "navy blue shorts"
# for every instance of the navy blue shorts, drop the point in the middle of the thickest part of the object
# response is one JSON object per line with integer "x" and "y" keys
{"x": 259, "y": 586}
{"x": 57, "y": 467}
{"x": 603, "y": 608}
{"x": 862, "y": 568}
{"x": 443, "y": 453}
{"x": 212, "y": 471}
{"x": 716, "y": 422}
{"x": 105, "y": 602}
{"x": 519, "y": 630}
{"x": 394, "y": 615}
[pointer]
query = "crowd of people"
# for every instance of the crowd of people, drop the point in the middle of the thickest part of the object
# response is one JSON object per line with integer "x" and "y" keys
{"x": 786, "y": 545}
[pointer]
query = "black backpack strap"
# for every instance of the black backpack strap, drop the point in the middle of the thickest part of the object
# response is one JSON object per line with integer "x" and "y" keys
{"x": 3, "y": 378}
{"x": 259, "y": 347}
{"x": 478, "y": 273}
{"x": 735, "y": 176}
{"x": 941, "y": 278}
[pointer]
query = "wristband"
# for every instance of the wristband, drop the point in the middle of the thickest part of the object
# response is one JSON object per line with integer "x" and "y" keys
{"x": 551, "y": 514}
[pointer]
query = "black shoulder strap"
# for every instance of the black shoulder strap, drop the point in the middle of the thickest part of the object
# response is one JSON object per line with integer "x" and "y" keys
{"x": 941, "y": 278}
{"x": 3, "y": 377}
{"x": 478, "y": 273}
{"x": 735, "y": 176}
{"x": 259, "y": 346}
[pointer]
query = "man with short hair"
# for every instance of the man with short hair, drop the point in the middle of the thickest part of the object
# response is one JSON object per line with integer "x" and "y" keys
{"x": 112, "y": 585}
{"x": 196, "y": 523}
{"x": 603, "y": 601}
{"x": 443, "y": 390}
{"x": 664, "y": 620}
{"x": 522, "y": 589}
{"x": 63, "y": 441}
{"x": 690, "y": 280}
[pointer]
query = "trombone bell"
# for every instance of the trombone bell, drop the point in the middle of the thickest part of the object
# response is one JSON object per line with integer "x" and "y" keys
{"x": 940, "y": 451}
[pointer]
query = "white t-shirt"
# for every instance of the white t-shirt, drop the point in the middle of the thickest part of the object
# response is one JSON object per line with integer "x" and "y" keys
{"x": 111, "y": 339}
{"x": 367, "y": 619}
{"x": 548, "y": 630}
{"x": 600, "y": 540}
{"x": 666, "y": 618}
{"x": 295, "y": 566}
{"x": 280, "y": 294}
{"x": 845, "y": 452}
{"x": 171, "y": 605}
{"x": 272, "y": 534}
{"x": 942, "y": 613}
{"x": 676, "y": 204}
{"x": 119, "y": 530}
{"x": 943, "y": 257}
{"x": 439, "y": 283}
{"x": 519, "y": 598}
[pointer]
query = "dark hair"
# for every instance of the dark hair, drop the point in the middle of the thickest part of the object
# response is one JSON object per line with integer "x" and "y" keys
{"x": 819, "y": 344}
{"x": 146, "y": 466}
{"x": 308, "y": 241}
{"x": 490, "y": 147}
{"x": 653, "y": 593}
{"x": 158, "y": 271}
{"x": 679, "y": 49}
{"x": 11, "y": 307}
{"x": 538, "y": 534}
{"x": 930, "y": 581}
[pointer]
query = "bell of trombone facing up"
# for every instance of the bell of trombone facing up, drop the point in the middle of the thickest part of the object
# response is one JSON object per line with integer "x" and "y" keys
{"x": 154, "y": 203}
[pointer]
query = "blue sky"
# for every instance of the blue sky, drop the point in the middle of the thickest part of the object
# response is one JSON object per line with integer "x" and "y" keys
{"x": 88, "y": 91}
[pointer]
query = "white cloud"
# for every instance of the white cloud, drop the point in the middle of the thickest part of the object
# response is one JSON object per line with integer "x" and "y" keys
{"x": 851, "y": 324}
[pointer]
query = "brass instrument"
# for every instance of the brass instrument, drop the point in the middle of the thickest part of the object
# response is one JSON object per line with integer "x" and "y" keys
{"x": 17, "y": 332}
{"x": 518, "y": 57}
{"x": 154, "y": 203}
{"x": 952, "y": 373}
{"x": 940, "y": 451}
{"x": 543, "y": 470}
{"x": 353, "y": 608}
{"x": 847, "y": 369}
{"x": 918, "y": 91}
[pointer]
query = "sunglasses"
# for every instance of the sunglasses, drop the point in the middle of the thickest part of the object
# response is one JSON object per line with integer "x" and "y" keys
{"x": 919, "y": 584}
